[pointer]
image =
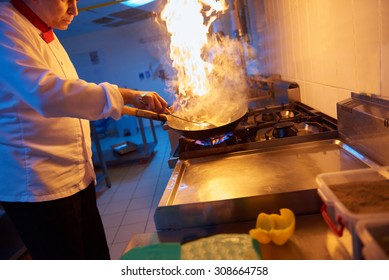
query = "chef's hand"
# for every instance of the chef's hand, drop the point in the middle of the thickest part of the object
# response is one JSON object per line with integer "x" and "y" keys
{"x": 148, "y": 100}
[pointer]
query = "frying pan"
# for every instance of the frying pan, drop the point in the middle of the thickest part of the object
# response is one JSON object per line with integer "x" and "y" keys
{"x": 181, "y": 126}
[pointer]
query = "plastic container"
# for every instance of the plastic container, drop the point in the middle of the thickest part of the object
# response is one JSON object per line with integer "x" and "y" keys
{"x": 350, "y": 196}
{"x": 374, "y": 237}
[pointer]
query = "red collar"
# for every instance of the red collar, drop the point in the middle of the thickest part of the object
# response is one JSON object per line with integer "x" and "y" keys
{"x": 47, "y": 31}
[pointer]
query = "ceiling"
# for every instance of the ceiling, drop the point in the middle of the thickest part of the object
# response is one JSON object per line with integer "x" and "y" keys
{"x": 96, "y": 15}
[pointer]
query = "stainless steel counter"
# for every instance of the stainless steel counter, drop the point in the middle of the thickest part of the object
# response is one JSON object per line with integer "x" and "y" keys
{"x": 235, "y": 187}
{"x": 312, "y": 239}
{"x": 224, "y": 192}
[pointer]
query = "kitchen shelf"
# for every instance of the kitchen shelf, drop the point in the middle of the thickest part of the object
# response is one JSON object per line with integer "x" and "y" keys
{"x": 103, "y": 174}
{"x": 143, "y": 153}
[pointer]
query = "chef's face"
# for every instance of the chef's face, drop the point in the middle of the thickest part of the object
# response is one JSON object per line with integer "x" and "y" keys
{"x": 56, "y": 13}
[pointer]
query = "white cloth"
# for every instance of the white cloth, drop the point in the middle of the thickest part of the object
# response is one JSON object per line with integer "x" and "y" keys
{"x": 45, "y": 144}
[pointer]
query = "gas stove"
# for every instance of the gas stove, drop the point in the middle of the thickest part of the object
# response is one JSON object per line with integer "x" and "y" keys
{"x": 270, "y": 123}
{"x": 231, "y": 182}
{"x": 224, "y": 192}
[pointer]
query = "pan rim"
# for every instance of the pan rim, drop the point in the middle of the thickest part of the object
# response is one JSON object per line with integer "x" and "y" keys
{"x": 209, "y": 132}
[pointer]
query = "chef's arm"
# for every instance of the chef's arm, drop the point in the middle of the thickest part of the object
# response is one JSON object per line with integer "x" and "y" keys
{"x": 149, "y": 100}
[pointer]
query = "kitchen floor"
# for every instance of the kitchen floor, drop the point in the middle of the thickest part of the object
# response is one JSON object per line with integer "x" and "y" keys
{"x": 127, "y": 208}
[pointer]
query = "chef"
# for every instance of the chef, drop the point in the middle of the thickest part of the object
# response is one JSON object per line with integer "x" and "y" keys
{"x": 46, "y": 172}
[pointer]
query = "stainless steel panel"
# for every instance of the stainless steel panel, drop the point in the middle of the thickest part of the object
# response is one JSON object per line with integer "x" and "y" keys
{"x": 251, "y": 173}
{"x": 237, "y": 186}
{"x": 363, "y": 123}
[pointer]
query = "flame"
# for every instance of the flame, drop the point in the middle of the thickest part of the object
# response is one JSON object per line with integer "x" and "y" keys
{"x": 188, "y": 23}
{"x": 214, "y": 141}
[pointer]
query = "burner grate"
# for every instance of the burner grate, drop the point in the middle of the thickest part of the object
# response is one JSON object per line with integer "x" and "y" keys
{"x": 260, "y": 125}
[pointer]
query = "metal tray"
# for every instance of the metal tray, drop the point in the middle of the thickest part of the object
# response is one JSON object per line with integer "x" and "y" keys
{"x": 238, "y": 186}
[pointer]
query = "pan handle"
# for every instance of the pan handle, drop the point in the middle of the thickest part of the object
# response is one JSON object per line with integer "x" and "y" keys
{"x": 130, "y": 111}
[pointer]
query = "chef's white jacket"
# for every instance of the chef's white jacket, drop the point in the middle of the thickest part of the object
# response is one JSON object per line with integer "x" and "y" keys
{"x": 45, "y": 145}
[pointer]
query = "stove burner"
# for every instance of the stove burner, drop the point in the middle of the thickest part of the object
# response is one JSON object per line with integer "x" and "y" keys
{"x": 286, "y": 114}
{"x": 270, "y": 115}
{"x": 284, "y": 129}
{"x": 214, "y": 141}
{"x": 187, "y": 145}
{"x": 288, "y": 129}
{"x": 275, "y": 115}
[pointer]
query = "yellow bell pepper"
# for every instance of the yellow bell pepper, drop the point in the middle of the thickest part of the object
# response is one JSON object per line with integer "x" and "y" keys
{"x": 274, "y": 227}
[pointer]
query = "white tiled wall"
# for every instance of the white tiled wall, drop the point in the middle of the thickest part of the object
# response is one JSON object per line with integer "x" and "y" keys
{"x": 330, "y": 47}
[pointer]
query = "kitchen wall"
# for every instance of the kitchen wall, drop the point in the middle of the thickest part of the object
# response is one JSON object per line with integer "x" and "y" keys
{"x": 329, "y": 47}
